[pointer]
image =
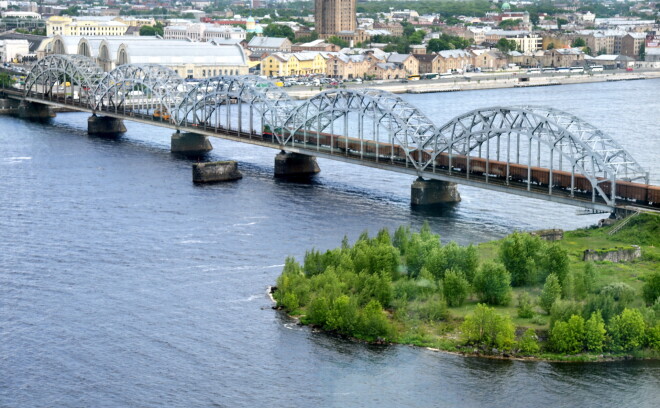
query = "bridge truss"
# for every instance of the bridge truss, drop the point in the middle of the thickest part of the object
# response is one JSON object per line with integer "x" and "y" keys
{"x": 533, "y": 148}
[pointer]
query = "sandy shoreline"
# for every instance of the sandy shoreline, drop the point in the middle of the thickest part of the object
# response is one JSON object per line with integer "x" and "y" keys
{"x": 478, "y": 82}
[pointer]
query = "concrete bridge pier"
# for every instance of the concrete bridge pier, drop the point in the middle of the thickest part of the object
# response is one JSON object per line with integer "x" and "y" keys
{"x": 426, "y": 193}
{"x": 295, "y": 165}
{"x": 35, "y": 111}
{"x": 190, "y": 143}
{"x": 105, "y": 126}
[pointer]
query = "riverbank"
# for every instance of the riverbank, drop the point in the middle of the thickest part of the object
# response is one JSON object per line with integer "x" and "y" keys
{"x": 483, "y": 81}
{"x": 411, "y": 291}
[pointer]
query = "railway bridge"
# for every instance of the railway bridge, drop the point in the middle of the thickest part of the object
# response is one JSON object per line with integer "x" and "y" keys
{"x": 531, "y": 151}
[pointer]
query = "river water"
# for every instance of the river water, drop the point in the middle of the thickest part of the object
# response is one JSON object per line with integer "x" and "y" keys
{"x": 123, "y": 284}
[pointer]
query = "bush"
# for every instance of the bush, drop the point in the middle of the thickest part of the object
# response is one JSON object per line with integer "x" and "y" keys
{"x": 492, "y": 284}
{"x": 485, "y": 327}
{"x": 568, "y": 337}
{"x": 455, "y": 288}
{"x": 594, "y": 333}
{"x": 373, "y": 322}
{"x": 562, "y": 310}
{"x": 653, "y": 337}
{"x": 431, "y": 310}
{"x": 529, "y": 342}
{"x": 605, "y": 304}
{"x": 518, "y": 252}
{"x": 651, "y": 288}
{"x": 627, "y": 330}
{"x": 551, "y": 292}
{"x": 525, "y": 306}
{"x": 554, "y": 260}
{"x": 620, "y": 292}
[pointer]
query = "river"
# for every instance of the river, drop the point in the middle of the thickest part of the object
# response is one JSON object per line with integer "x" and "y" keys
{"x": 123, "y": 284}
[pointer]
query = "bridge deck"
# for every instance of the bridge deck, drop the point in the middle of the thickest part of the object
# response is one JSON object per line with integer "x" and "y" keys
{"x": 492, "y": 183}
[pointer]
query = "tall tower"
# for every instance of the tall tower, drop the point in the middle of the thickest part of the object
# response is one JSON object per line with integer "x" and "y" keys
{"x": 332, "y": 16}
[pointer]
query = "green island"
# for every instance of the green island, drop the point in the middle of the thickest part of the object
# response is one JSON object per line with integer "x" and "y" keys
{"x": 519, "y": 297}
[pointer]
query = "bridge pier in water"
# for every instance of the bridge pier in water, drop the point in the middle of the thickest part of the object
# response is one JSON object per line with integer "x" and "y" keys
{"x": 424, "y": 193}
{"x": 295, "y": 165}
{"x": 105, "y": 126}
{"x": 190, "y": 143}
{"x": 35, "y": 111}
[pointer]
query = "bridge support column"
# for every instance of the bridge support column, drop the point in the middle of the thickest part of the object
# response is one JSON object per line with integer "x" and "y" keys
{"x": 295, "y": 165}
{"x": 35, "y": 111}
{"x": 433, "y": 192}
{"x": 190, "y": 143}
{"x": 105, "y": 126}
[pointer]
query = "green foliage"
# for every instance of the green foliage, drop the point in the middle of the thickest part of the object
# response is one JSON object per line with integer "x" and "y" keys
{"x": 594, "y": 333}
{"x": 551, "y": 292}
{"x": 277, "y": 30}
{"x": 452, "y": 256}
{"x": 580, "y": 282}
{"x": 562, "y": 310}
{"x": 487, "y": 328}
{"x": 508, "y": 24}
{"x": 525, "y": 306}
{"x": 529, "y": 342}
{"x": 578, "y": 42}
{"x": 653, "y": 337}
{"x": 554, "y": 260}
{"x": 505, "y": 45}
{"x": 6, "y": 80}
{"x": 627, "y": 330}
{"x": 492, "y": 284}
{"x": 643, "y": 229}
{"x": 568, "y": 337}
{"x": 651, "y": 288}
{"x": 455, "y": 287}
{"x": 620, "y": 292}
{"x": 519, "y": 253}
{"x": 433, "y": 309}
{"x": 447, "y": 42}
{"x": 603, "y": 303}
{"x": 373, "y": 322}
{"x": 337, "y": 41}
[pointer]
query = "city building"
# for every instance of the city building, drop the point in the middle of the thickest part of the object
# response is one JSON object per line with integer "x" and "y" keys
{"x": 269, "y": 44}
{"x": 13, "y": 50}
{"x": 631, "y": 44}
{"x": 85, "y": 26}
{"x": 203, "y": 32}
{"x": 334, "y": 16}
{"x": 281, "y": 64}
{"x": 199, "y": 60}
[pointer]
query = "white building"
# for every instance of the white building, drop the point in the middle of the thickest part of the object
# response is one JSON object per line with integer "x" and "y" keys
{"x": 10, "y": 49}
{"x": 189, "y": 60}
{"x": 203, "y": 32}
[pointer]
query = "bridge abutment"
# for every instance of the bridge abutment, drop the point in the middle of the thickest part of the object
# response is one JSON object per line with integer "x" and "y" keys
{"x": 190, "y": 143}
{"x": 105, "y": 126}
{"x": 35, "y": 111}
{"x": 425, "y": 193}
{"x": 295, "y": 165}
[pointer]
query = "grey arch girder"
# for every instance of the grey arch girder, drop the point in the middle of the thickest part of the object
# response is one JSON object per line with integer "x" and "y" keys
{"x": 163, "y": 86}
{"x": 78, "y": 70}
{"x": 594, "y": 154}
{"x": 201, "y": 101}
{"x": 409, "y": 127}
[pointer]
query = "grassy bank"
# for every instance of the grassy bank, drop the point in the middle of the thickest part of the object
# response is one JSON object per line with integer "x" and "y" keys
{"x": 519, "y": 297}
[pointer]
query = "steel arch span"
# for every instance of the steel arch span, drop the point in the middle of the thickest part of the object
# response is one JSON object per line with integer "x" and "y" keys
{"x": 150, "y": 90}
{"x": 62, "y": 76}
{"x": 372, "y": 123}
{"x": 515, "y": 142}
{"x": 258, "y": 104}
